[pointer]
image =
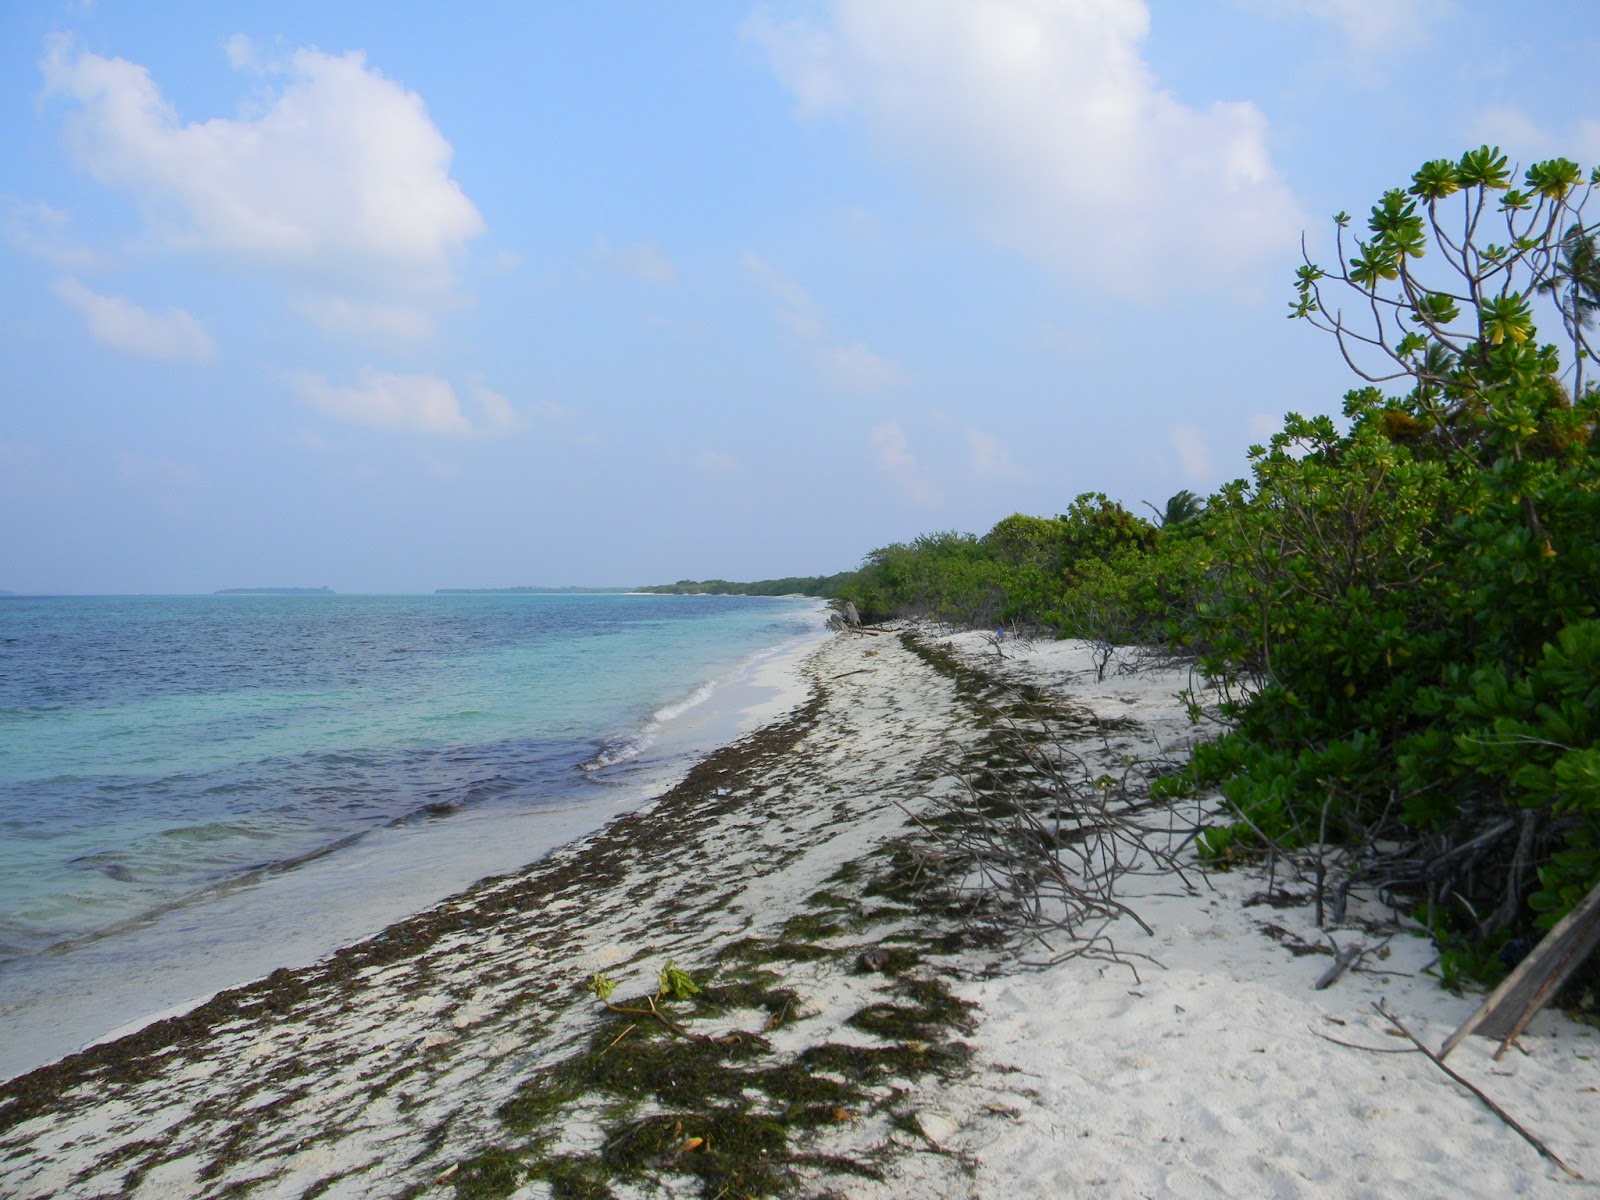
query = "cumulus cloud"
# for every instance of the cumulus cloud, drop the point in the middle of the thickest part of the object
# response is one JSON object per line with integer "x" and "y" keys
{"x": 851, "y": 366}
{"x": 1042, "y": 119}
{"x": 892, "y": 453}
{"x": 418, "y": 403}
{"x": 642, "y": 260}
{"x": 172, "y": 335}
{"x": 338, "y": 181}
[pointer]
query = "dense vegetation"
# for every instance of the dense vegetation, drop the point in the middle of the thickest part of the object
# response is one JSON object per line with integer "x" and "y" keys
{"x": 1400, "y": 606}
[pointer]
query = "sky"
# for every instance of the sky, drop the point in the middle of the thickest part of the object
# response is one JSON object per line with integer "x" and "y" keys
{"x": 395, "y": 296}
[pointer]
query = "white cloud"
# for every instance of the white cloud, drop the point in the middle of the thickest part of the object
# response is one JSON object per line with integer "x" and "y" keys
{"x": 172, "y": 335}
{"x": 857, "y": 368}
{"x": 1261, "y": 426}
{"x": 1042, "y": 119}
{"x": 338, "y": 181}
{"x": 1526, "y": 141}
{"x": 991, "y": 459}
{"x": 712, "y": 462}
{"x": 418, "y": 403}
{"x": 342, "y": 316}
{"x": 892, "y": 452}
{"x": 852, "y": 366}
{"x": 1194, "y": 454}
{"x": 45, "y": 232}
{"x": 1374, "y": 27}
{"x": 158, "y": 472}
{"x": 642, "y": 260}
{"x": 497, "y": 413}
{"x": 241, "y": 52}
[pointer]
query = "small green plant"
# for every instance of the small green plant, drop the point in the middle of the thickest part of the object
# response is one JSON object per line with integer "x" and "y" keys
{"x": 675, "y": 982}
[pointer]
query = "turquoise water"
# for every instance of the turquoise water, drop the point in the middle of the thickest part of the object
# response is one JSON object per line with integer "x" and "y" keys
{"x": 157, "y": 750}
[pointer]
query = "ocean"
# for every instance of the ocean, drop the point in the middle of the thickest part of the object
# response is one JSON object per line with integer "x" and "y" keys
{"x": 196, "y": 790}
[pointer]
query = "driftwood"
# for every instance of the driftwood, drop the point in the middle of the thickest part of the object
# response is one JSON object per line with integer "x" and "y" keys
{"x": 1438, "y": 1061}
{"x": 848, "y": 620}
{"x": 1526, "y": 990}
{"x": 1344, "y": 959}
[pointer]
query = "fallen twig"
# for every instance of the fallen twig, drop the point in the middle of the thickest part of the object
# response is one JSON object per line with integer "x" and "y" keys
{"x": 1368, "y": 1049}
{"x": 1476, "y": 1091}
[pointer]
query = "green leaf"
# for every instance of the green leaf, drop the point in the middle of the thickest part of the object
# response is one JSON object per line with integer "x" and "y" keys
{"x": 602, "y": 985}
{"x": 674, "y": 981}
{"x": 1484, "y": 167}
{"x": 1436, "y": 180}
{"x": 1554, "y": 178}
{"x": 1505, "y": 319}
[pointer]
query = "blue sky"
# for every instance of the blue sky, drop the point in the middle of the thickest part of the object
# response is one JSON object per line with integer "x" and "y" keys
{"x": 399, "y": 296}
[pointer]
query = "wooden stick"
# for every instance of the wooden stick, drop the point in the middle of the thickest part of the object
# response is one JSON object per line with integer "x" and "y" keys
{"x": 1493, "y": 1107}
{"x": 1341, "y": 962}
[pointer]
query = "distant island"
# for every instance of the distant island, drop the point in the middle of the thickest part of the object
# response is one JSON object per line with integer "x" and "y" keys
{"x": 501, "y": 591}
{"x": 277, "y": 591}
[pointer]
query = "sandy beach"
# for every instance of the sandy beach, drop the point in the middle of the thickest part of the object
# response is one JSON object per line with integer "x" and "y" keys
{"x": 864, "y": 1026}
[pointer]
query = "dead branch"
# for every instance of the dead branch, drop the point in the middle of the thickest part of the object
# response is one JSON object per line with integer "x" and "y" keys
{"x": 1038, "y": 849}
{"x": 1473, "y": 1088}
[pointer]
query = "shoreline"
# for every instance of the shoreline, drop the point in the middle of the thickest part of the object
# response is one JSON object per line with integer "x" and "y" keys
{"x": 161, "y": 963}
{"x": 784, "y": 872}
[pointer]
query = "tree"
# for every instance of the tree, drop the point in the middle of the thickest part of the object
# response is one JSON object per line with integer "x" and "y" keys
{"x": 1464, "y": 325}
{"x": 1574, "y": 282}
{"x": 1413, "y": 599}
{"x": 1185, "y": 506}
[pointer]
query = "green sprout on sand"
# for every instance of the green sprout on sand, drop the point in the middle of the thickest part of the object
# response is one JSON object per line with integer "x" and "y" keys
{"x": 675, "y": 981}
{"x": 672, "y": 983}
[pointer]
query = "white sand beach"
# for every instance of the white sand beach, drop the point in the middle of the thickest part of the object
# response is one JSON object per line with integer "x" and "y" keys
{"x": 859, "y": 1032}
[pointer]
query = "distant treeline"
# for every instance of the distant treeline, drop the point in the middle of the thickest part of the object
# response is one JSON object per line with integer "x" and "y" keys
{"x": 275, "y": 591}
{"x": 794, "y": 585}
{"x": 540, "y": 591}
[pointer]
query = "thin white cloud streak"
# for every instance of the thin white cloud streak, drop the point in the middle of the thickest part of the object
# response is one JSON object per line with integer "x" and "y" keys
{"x": 850, "y": 366}
{"x": 641, "y": 260}
{"x": 158, "y": 472}
{"x": 991, "y": 459}
{"x": 414, "y": 403}
{"x": 173, "y": 335}
{"x": 1194, "y": 452}
{"x": 339, "y": 181}
{"x": 891, "y": 451}
{"x": 45, "y": 232}
{"x": 341, "y": 316}
{"x": 1373, "y": 27}
{"x": 1042, "y": 120}
{"x": 714, "y": 462}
